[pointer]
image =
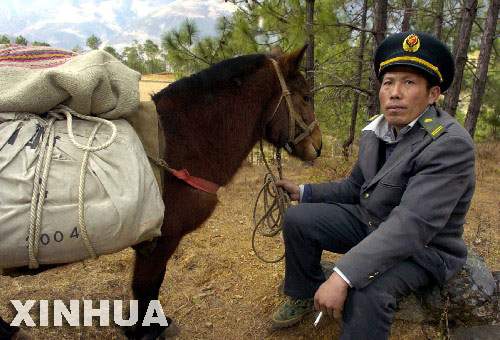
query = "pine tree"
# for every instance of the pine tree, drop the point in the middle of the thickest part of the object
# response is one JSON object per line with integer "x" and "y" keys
{"x": 93, "y": 42}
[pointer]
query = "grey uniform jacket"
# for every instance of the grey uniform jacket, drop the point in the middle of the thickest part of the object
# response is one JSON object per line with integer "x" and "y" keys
{"x": 415, "y": 204}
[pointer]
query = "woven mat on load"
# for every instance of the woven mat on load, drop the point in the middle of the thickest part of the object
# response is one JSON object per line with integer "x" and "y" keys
{"x": 37, "y": 78}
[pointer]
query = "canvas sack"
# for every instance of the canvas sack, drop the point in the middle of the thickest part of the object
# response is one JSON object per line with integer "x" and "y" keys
{"x": 37, "y": 78}
{"x": 122, "y": 202}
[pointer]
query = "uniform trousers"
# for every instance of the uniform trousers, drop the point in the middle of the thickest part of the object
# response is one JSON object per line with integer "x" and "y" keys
{"x": 310, "y": 228}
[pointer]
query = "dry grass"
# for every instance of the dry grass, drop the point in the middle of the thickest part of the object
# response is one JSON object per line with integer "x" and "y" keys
{"x": 165, "y": 77}
{"x": 482, "y": 231}
{"x": 152, "y": 83}
{"x": 215, "y": 287}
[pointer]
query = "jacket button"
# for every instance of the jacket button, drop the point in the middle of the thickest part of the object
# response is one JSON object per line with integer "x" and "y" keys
{"x": 370, "y": 223}
{"x": 366, "y": 195}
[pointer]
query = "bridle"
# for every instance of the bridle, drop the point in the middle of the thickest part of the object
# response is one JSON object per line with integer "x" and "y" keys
{"x": 293, "y": 117}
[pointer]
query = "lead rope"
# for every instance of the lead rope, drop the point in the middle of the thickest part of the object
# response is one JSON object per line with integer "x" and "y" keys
{"x": 40, "y": 180}
{"x": 275, "y": 202}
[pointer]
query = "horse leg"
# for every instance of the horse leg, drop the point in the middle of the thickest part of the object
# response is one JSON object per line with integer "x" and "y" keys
{"x": 150, "y": 261}
{"x": 7, "y": 331}
{"x": 149, "y": 271}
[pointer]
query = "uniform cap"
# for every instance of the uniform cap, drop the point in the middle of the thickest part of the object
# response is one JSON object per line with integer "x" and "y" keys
{"x": 418, "y": 50}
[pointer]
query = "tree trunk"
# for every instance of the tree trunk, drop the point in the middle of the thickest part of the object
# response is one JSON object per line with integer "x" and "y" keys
{"x": 310, "y": 48}
{"x": 379, "y": 29}
{"x": 438, "y": 20}
{"x": 380, "y": 20}
{"x": 405, "y": 25}
{"x": 357, "y": 82}
{"x": 482, "y": 68}
{"x": 461, "y": 47}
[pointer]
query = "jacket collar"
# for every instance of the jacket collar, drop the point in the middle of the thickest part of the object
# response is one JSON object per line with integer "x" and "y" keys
{"x": 413, "y": 137}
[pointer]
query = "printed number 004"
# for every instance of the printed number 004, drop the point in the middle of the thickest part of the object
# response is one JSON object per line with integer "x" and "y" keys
{"x": 58, "y": 236}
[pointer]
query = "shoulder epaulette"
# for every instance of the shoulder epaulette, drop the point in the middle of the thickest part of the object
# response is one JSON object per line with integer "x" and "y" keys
{"x": 372, "y": 118}
{"x": 433, "y": 126}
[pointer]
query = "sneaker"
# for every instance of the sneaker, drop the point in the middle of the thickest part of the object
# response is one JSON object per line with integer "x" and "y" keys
{"x": 291, "y": 312}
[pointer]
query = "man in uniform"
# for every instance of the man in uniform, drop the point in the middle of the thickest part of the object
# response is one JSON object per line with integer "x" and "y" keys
{"x": 398, "y": 218}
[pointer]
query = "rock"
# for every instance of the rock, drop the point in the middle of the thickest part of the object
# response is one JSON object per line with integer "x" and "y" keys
{"x": 496, "y": 276}
{"x": 485, "y": 332}
{"x": 472, "y": 297}
{"x": 411, "y": 309}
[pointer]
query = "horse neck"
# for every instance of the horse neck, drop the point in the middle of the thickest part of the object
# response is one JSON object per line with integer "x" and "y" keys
{"x": 211, "y": 140}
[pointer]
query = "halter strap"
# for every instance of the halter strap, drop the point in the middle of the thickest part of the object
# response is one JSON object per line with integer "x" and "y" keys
{"x": 293, "y": 116}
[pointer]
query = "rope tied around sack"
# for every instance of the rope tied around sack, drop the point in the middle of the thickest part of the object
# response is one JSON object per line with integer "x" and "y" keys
{"x": 275, "y": 203}
{"x": 42, "y": 172}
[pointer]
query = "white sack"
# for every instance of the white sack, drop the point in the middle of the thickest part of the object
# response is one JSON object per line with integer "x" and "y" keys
{"x": 123, "y": 205}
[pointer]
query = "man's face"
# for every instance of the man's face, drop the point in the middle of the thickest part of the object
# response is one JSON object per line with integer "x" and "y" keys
{"x": 404, "y": 95}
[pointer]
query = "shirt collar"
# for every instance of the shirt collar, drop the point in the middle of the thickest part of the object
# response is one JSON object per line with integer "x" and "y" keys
{"x": 382, "y": 130}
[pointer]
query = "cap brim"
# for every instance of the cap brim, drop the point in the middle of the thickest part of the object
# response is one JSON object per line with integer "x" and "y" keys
{"x": 413, "y": 65}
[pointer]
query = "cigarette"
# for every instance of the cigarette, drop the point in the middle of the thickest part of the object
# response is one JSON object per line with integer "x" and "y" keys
{"x": 318, "y": 318}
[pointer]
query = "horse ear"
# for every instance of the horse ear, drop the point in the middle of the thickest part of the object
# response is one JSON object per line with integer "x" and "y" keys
{"x": 291, "y": 62}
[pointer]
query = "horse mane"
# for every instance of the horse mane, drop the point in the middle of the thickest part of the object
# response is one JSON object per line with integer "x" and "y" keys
{"x": 205, "y": 83}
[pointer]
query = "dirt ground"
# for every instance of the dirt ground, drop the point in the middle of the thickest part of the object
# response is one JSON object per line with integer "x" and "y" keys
{"x": 215, "y": 287}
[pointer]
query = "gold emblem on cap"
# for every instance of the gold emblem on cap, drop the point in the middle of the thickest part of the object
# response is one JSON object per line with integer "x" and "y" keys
{"x": 411, "y": 43}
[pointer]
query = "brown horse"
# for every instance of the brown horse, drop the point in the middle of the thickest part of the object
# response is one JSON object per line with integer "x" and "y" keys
{"x": 211, "y": 121}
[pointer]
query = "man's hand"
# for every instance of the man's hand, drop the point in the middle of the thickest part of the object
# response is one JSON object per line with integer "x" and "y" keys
{"x": 331, "y": 295}
{"x": 290, "y": 187}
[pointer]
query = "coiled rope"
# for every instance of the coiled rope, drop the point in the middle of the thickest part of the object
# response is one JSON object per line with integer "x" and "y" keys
{"x": 42, "y": 173}
{"x": 275, "y": 202}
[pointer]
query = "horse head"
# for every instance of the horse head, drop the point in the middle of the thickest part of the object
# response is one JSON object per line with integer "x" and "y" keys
{"x": 292, "y": 123}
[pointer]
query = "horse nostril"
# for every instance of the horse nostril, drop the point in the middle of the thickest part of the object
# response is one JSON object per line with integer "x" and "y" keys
{"x": 318, "y": 152}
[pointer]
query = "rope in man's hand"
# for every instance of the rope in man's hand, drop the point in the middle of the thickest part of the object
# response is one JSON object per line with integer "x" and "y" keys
{"x": 275, "y": 202}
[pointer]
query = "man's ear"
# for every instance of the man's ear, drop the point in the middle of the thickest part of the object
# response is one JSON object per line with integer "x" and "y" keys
{"x": 434, "y": 93}
{"x": 291, "y": 61}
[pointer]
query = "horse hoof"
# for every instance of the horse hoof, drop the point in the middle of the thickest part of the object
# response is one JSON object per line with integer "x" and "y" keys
{"x": 153, "y": 332}
{"x": 172, "y": 330}
{"x": 22, "y": 335}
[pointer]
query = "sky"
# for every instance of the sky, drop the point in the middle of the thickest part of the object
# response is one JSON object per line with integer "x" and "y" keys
{"x": 79, "y": 10}
{"x": 116, "y": 21}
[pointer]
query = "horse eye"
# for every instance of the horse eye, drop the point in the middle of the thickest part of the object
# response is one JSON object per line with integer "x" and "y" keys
{"x": 307, "y": 99}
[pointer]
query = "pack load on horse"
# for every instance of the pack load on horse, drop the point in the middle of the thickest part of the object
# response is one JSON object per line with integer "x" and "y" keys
{"x": 209, "y": 123}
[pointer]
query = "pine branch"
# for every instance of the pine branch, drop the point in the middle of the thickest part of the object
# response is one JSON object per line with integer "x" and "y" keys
{"x": 355, "y": 88}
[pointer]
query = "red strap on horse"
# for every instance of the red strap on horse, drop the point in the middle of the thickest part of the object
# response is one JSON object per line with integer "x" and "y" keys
{"x": 195, "y": 182}
{"x": 183, "y": 175}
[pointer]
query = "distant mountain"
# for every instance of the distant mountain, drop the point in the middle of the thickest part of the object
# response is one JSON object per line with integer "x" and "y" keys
{"x": 117, "y": 23}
